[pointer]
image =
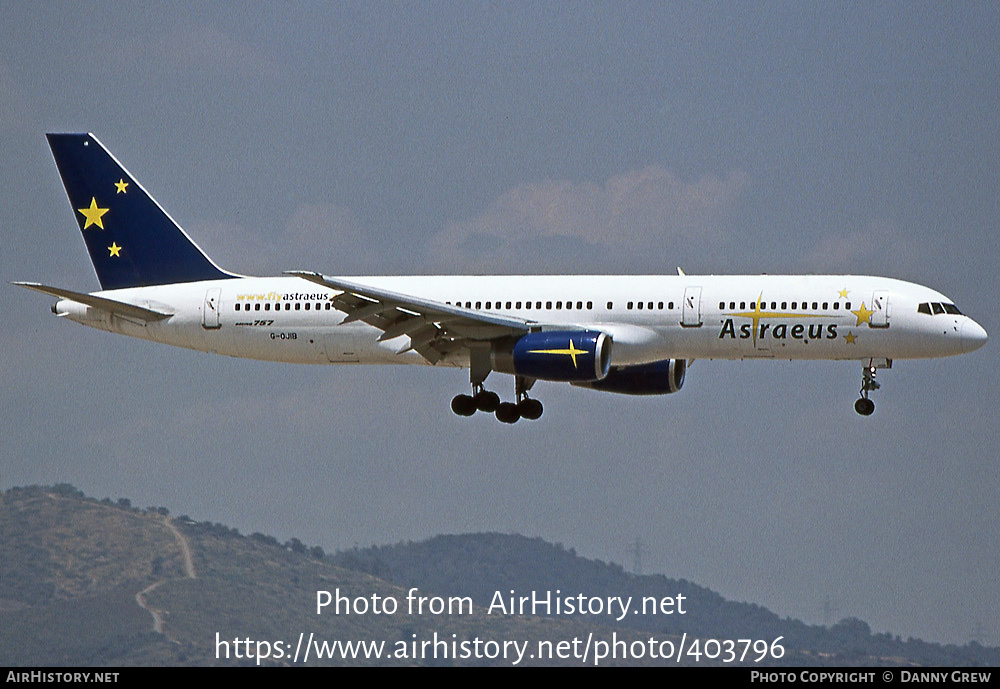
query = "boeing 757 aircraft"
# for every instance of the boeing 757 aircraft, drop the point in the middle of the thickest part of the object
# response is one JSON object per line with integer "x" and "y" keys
{"x": 623, "y": 334}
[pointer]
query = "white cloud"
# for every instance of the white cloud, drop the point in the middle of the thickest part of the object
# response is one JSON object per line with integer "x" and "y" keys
{"x": 323, "y": 237}
{"x": 632, "y": 213}
{"x": 880, "y": 248}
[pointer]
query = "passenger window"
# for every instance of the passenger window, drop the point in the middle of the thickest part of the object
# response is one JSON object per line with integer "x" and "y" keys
{"x": 256, "y": 307}
{"x": 609, "y": 305}
{"x": 825, "y": 305}
{"x": 629, "y": 306}
{"x": 298, "y": 306}
{"x": 590, "y": 305}
{"x": 847, "y": 306}
{"x": 548, "y": 305}
{"x": 538, "y": 304}
{"x": 836, "y": 306}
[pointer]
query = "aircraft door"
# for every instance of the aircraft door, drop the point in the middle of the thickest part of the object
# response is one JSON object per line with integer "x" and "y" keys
{"x": 691, "y": 317}
{"x": 880, "y": 306}
{"x": 210, "y": 311}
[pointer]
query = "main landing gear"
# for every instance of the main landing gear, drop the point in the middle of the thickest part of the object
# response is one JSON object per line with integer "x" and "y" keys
{"x": 484, "y": 400}
{"x": 865, "y": 406}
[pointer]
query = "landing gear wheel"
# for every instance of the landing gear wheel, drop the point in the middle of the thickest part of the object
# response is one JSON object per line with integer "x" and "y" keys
{"x": 529, "y": 408}
{"x": 507, "y": 413}
{"x": 864, "y": 406}
{"x": 463, "y": 405}
{"x": 487, "y": 401}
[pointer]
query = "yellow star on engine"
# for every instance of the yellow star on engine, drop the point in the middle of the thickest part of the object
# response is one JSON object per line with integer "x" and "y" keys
{"x": 93, "y": 214}
{"x": 842, "y": 294}
{"x": 114, "y": 249}
{"x": 121, "y": 185}
{"x": 572, "y": 351}
{"x": 863, "y": 314}
{"x": 850, "y": 337}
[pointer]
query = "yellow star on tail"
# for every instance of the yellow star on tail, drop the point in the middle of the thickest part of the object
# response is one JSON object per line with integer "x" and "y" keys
{"x": 93, "y": 214}
{"x": 121, "y": 185}
{"x": 115, "y": 249}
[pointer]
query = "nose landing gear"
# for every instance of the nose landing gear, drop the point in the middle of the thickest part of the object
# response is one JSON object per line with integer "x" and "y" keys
{"x": 865, "y": 406}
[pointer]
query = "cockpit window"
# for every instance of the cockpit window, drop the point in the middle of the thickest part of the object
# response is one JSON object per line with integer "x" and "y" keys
{"x": 934, "y": 308}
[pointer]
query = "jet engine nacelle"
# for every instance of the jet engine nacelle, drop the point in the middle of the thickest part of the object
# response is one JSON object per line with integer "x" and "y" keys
{"x": 657, "y": 378}
{"x": 562, "y": 355}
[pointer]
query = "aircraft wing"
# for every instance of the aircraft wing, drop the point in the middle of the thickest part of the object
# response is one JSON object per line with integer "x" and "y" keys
{"x": 118, "y": 308}
{"x": 435, "y": 329}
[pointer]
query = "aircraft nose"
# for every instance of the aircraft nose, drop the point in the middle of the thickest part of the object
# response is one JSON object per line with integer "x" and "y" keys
{"x": 973, "y": 336}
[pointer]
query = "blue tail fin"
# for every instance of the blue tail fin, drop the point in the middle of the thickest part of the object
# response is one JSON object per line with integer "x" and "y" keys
{"x": 131, "y": 240}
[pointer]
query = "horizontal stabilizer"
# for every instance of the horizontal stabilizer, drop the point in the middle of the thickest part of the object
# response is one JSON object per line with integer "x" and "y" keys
{"x": 118, "y": 308}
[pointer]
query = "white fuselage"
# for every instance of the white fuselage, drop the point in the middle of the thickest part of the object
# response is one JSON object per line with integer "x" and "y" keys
{"x": 649, "y": 318}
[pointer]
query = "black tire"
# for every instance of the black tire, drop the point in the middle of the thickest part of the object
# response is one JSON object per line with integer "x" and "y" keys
{"x": 487, "y": 401}
{"x": 463, "y": 405}
{"x": 865, "y": 407}
{"x": 530, "y": 409}
{"x": 507, "y": 413}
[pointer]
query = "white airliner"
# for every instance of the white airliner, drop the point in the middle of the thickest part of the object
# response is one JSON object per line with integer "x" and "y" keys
{"x": 624, "y": 334}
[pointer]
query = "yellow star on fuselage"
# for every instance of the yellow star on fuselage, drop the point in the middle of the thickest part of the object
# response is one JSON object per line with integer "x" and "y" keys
{"x": 850, "y": 337}
{"x": 114, "y": 249}
{"x": 572, "y": 351}
{"x": 93, "y": 214}
{"x": 863, "y": 314}
{"x": 842, "y": 294}
{"x": 121, "y": 185}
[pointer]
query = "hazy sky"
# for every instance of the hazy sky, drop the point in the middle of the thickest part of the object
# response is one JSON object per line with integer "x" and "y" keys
{"x": 395, "y": 138}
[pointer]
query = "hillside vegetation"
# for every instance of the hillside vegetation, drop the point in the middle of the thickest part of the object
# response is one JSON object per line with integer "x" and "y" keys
{"x": 89, "y": 582}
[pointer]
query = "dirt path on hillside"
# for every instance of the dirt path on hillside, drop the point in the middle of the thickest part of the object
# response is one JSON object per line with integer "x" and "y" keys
{"x": 189, "y": 573}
